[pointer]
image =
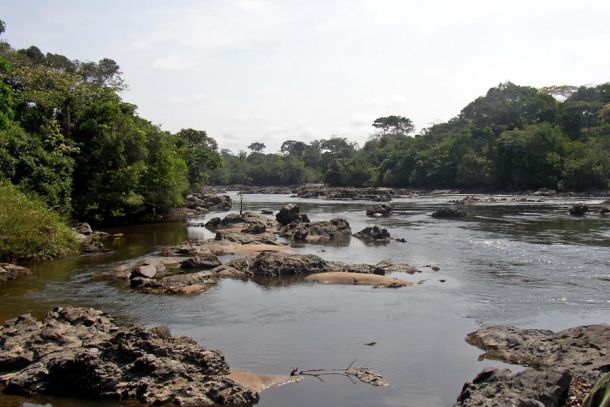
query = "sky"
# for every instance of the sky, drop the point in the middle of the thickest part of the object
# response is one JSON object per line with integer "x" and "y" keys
{"x": 269, "y": 71}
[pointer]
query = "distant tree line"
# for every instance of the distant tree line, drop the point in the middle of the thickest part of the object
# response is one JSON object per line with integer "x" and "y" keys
{"x": 513, "y": 138}
{"x": 68, "y": 137}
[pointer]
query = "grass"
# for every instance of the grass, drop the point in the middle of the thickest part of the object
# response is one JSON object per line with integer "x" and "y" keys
{"x": 30, "y": 230}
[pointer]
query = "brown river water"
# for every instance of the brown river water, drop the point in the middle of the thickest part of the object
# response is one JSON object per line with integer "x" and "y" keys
{"x": 525, "y": 264}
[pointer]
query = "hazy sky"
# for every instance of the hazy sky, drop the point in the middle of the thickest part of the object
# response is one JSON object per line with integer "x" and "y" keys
{"x": 262, "y": 70}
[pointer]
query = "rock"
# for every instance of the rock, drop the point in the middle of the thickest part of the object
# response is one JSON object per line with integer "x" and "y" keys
{"x": 266, "y": 212}
{"x": 232, "y": 219}
{"x": 530, "y": 387}
{"x": 334, "y": 229}
{"x": 255, "y": 227}
{"x": 201, "y": 261}
{"x": 379, "y": 210}
{"x": 204, "y": 202}
{"x": 93, "y": 247}
{"x": 279, "y": 264}
{"x": 579, "y": 210}
{"x": 375, "y": 234}
{"x": 287, "y": 214}
{"x": 579, "y": 349}
{"x": 12, "y": 271}
{"x": 82, "y": 352}
{"x": 213, "y": 223}
{"x": 603, "y": 210}
{"x": 144, "y": 270}
{"x": 83, "y": 229}
{"x": 448, "y": 213}
{"x": 344, "y": 194}
{"x": 554, "y": 358}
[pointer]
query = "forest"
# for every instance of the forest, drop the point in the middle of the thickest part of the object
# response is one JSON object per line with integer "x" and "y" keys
{"x": 513, "y": 138}
{"x": 68, "y": 139}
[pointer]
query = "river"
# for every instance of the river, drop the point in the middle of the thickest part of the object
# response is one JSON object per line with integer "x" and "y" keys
{"x": 528, "y": 264}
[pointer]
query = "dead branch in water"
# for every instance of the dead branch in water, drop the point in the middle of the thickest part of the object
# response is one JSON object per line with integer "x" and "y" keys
{"x": 363, "y": 374}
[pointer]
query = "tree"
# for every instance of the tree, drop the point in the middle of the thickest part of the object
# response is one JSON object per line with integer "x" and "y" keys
{"x": 257, "y": 147}
{"x": 293, "y": 147}
{"x": 394, "y": 125}
{"x": 200, "y": 154}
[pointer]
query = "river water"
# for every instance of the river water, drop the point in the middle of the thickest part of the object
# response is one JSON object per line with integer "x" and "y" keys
{"x": 526, "y": 264}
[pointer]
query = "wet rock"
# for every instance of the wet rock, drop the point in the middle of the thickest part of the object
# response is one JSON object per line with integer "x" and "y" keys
{"x": 213, "y": 223}
{"x": 280, "y": 264}
{"x": 12, "y": 271}
{"x": 553, "y": 357}
{"x": 82, "y": 352}
{"x": 328, "y": 230}
{"x": 579, "y": 210}
{"x": 375, "y": 234}
{"x": 232, "y": 219}
{"x": 93, "y": 247}
{"x": 201, "y": 261}
{"x": 579, "y": 349}
{"x": 379, "y": 210}
{"x": 604, "y": 210}
{"x": 83, "y": 229}
{"x": 448, "y": 213}
{"x": 530, "y": 387}
{"x": 287, "y": 214}
{"x": 266, "y": 212}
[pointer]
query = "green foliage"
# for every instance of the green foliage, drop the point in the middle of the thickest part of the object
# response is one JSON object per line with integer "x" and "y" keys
{"x": 66, "y": 135}
{"x": 29, "y": 229}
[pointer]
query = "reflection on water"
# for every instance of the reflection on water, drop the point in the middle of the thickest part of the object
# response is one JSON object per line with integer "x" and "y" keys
{"x": 524, "y": 264}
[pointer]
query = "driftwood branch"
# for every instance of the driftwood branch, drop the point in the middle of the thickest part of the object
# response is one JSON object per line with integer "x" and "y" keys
{"x": 363, "y": 374}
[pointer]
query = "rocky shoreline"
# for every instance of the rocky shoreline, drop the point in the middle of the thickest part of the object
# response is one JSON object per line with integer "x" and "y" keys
{"x": 562, "y": 367}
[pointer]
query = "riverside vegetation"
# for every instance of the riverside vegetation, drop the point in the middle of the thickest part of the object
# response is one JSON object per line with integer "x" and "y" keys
{"x": 67, "y": 137}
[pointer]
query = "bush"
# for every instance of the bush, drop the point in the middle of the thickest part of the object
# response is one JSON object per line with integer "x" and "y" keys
{"x": 30, "y": 230}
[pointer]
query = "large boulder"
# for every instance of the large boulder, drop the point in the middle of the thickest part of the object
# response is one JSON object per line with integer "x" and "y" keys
{"x": 82, "y": 352}
{"x": 280, "y": 264}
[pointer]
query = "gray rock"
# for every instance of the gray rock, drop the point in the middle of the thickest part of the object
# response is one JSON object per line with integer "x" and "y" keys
{"x": 82, "y": 352}
{"x": 201, "y": 261}
{"x": 375, "y": 234}
{"x": 379, "y": 210}
{"x": 287, "y": 214}
{"x": 213, "y": 223}
{"x": 329, "y": 230}
{"x": 448, "y": 213}
{"x": 83, "y": 229}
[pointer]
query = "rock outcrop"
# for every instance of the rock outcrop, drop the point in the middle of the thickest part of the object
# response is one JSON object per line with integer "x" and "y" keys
{"x": 82, "y": 352}
{"x": 345, "y": 194}
{"x": 12, "y": 271}
{"x": 205, "y": 202}
{"x": 579, "y": 210}
{"x": 557, "y": 362}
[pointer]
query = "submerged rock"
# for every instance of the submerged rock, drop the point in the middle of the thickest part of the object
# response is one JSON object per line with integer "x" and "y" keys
{"x": 12, "y": 271}
{"x": 82, "y": 352}
{"x": 579, "y": 210}
{"x": 448, "y": 213}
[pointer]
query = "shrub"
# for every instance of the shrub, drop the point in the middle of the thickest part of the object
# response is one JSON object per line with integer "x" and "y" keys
{"x": 29, "y": 229}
